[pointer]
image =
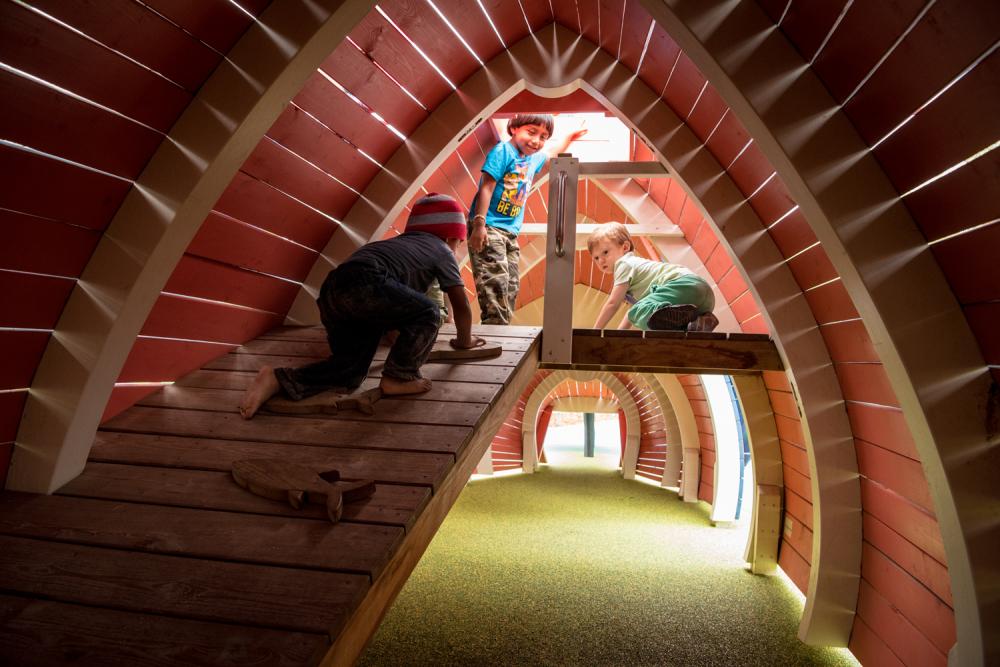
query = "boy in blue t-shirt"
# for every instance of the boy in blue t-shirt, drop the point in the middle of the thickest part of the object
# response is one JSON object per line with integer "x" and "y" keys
{"x": 498, "y": 211}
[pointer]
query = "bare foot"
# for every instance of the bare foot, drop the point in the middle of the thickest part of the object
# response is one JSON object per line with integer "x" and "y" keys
{"x": 263, "y": 387}
{"x": 394, "y": 387}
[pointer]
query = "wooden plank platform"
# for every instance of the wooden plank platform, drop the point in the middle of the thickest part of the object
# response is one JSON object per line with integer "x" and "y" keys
{"x": 155, "y": 556}
{"x": 671, "y": 352}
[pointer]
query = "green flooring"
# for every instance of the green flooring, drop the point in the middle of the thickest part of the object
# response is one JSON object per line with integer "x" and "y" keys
{"x": 576, "y": 566}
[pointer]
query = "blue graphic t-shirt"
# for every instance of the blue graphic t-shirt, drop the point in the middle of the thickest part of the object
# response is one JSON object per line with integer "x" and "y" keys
{"x": 513, "y": 173}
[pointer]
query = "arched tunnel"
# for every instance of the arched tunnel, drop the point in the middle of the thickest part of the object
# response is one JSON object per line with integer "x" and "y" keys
{"x": 181, "y": 176}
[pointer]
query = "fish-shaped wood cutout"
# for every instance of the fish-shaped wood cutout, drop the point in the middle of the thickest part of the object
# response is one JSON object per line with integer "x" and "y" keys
{"x": 281, "y": 480}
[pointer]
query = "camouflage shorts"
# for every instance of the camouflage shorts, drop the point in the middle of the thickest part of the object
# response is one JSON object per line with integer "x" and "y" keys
{"x": 495, "y": 271}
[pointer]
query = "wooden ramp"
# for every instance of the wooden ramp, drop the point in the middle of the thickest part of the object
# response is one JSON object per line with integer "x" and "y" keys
{"x": 155, "y": 556}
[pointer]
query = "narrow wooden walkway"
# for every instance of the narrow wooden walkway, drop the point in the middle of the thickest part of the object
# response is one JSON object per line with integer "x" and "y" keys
{"x": 155, "y": 556}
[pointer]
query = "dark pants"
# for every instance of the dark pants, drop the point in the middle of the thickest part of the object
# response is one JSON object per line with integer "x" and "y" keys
{"x": 357, "y": 304}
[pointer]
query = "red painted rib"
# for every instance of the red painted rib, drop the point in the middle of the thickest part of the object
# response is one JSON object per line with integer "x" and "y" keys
{"x": 131, "y": 29}
{"x": 86, "y": 198}
{"x": 37, "y": 116}
{"x": 43, "y": 246}
{"x": 40, "y": 47}
{"x": 30, "y": 301}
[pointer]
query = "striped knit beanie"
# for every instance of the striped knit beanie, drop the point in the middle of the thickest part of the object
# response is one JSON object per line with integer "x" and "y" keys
{"x": 439, "y": 215}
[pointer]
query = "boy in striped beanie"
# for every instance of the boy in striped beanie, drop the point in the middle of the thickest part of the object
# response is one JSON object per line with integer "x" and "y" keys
{"x": 380, "y": 288}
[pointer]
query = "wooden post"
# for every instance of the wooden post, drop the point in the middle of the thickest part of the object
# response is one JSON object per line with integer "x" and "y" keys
{"x": 560, "y": 260}
{"x": 589, "y": 435}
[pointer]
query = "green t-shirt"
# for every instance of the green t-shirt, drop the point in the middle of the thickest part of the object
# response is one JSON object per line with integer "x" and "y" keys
{"x": 641, "y": 274}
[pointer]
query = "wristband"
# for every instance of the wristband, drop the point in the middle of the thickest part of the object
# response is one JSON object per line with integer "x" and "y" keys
{"x": 478, "y": 216}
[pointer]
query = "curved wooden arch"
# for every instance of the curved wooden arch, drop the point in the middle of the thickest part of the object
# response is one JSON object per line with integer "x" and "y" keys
{"x": 940, "y": 380}
{"x": 156, "y": 223}
{"x": 533, "y": 406}
{"x": 835, "y": 573}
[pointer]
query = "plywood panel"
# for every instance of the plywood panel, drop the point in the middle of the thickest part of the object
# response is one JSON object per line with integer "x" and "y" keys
{"x": 794, "y": 566}
{"x": 189, "y": 319}
{"x": 684, "y": 87}
{"x": 984, "y": 319}
{"x": 869, "y": 648}
{"x": 969, "y": 262}
{"x": 661, "y": 57}
{"x": 41, "y": 47}
{"x": 831, "y": 303}
{"x": 29, "y": 301}
{"x": 87, "y": 198}
{"x": 912, "y": 522}
{"x": 807, "y": 24}
{"x": 635, "y": 26}
{"x": 50, "y": 121}
{"x": 772, "y": 201}
{"x": 728, "y": 140}
{"x": 915, "y": 562}
{"x": 205, "y": 279}
{"x": 707, "y": 113}
{"x": 865, "y": 382}
{"x": 882, "y": 425}
{"x": 897, "y": 473}
{"x": 422, "y": 25}
{"x": 900, "y": 636}
{"x": 812, "y": 268}
{"x": 216, "y": 22}
{"x": 131, "y": 29}
{"x": 964, "y": 198}
{"x": 849, "y": 341}
{"x": 750, "y": 169}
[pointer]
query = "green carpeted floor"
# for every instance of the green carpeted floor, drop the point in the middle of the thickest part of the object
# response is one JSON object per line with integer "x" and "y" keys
{"x": 576, "y": 566}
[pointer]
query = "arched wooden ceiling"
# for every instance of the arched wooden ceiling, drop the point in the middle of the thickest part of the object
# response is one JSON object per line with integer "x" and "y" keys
{"x": 917, "y": 82}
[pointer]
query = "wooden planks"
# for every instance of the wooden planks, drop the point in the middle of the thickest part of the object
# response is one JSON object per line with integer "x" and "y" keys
{"x": 665, "y": 352}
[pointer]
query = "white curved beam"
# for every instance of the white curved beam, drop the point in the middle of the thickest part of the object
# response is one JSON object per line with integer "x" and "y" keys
{"x": 154, "y": 225}
{"x": 689, "y": 441}
{"x": 940, "y": 380}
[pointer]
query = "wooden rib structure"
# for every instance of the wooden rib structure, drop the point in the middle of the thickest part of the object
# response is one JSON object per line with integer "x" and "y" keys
{"x": 155, "y": 556}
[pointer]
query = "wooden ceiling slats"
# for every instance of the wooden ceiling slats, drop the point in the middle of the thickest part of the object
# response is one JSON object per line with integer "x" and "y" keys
{"x": 566, "y": 14}
{"x": 349, "y": 67}
{"x": 831, "y": 303}
{"x": 87, "y": 198}
{"x": 915, "y": 524}
{"x": 381, "y": 43}
{"x": 635, "y": 27}
{"x": 744, "y": 307}
{"x": 506, "y": 16}
{"x": 218, "y": 23}
{"x": 659, "y": 189}
{"x": 590, "y": 22}
{"x": 927, "y": 571}
{"x": 984, "y": 318}
{"x": 140, "y": 582}
{"x": 751, "y": 169}
{"x": 46, "y": 630}
{"x": 793, "y": 234}
{"x": 422, "y": 25}
{"x": 690, "y": 218}
{"x": 22, "y": 350}
{"x": 849, "y": 342}
{"x": 867, "y": 383}
{"x": 718, "y": 263}
{"x": 470, "y": 22}
{"x": 198, "y": 277}
{"x": 344, "y": 116}
{"x": 610, "y": 14}
{"x": 923, "y": 63}
{"x": 438, "y": 182}
{"x": 772, "y": 201}
{"x": 309, "y": 139}
{"x": 38, "y": 245}
{"x": 866, "y": 33}
{"x": 458, "y": 179}
{"x": 684, "y": 87}
{"x": 45, "y": 49}
{"x": 135, "y": 31}
{"x": 661, "y": 55}
{"x": 966, "y": 197}
{"x": 11, "y": 407}
{"x": 539, "y": 13}
{"x": 176, "y": 317}
{"x": 707, "y": 113}
{"x": 812, "y": 268}
{"x": 951, "y": 129}
{"x": 47, "y": 120}
{"x": 256, "y": 203}
{"x": 727, "y": 140}
{"x": 290, "y": 173}
{"x": 807, "y": 24}
{"x": 385, "y": 467}
{"x": 162, "y": 360}
{"x": 970, "y": 263}
{"x": 225, "y": 240}
{"x": 30, "y": 301}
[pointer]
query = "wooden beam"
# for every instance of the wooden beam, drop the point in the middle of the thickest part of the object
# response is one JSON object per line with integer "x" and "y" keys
{"x": 583, "y": 231}
{"x": 623, "y": 170}
{"x": 671, "y": 352}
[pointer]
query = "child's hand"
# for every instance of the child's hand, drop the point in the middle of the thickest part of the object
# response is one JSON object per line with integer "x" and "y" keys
{"x": 477, "y": 240}
{"x": 578, "y": 134}
{"x": 473, "y": 341}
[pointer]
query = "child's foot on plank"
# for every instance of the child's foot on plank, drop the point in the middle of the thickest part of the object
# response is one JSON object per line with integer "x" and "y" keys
{"x": 263, "y": 387}
{"x": 396, "y": 387}
{"x": 673, "y": 318}
{"x": 704, "y": 322}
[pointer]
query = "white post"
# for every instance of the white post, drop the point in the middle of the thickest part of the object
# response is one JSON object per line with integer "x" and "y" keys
{"x": 560, "y": 260}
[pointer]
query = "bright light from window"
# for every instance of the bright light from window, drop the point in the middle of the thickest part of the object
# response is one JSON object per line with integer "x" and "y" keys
{"x": 607, "y": 138}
